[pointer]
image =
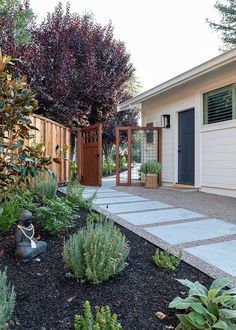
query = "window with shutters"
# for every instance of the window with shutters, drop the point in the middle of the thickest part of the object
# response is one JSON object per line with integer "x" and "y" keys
{"x": 219, "y": 105}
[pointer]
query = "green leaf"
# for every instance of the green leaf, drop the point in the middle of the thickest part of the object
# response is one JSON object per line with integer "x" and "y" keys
{"x": 220, "y": 283}
{"x": 17, "y": 145}
{"x": 184, "y": 321}
{"x": 179, "y": 303}
{"x": 197, "y": 320}
{"x": 220, "y": 325}
{"x": 227, "y": 313}
{"x": 212, "y": 294}
{"x": 196, "y": 289}
{"x": 198, "y": 307}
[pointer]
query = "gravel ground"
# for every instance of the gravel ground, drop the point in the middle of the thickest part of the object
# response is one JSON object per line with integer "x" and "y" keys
{"x": 213, "y": 206}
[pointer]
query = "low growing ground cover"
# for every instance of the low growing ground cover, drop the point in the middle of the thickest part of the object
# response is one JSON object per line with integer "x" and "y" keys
{"x": 46, "y": 298}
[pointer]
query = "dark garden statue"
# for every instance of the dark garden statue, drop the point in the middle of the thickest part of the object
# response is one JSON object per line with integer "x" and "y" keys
{"x": 27, "y": 247}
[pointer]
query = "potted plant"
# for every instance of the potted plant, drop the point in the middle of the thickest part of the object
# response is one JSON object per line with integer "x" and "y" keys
{"x": 151, "y": 169}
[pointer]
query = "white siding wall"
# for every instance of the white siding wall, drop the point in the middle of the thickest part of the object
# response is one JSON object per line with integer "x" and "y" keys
{"x": 153, "y": 113}
{"x": 215, "y": 144}
{"x": 219, "y": 159}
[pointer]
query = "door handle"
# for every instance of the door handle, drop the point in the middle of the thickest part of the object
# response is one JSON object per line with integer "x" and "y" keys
{"x": 97, "y": 155}
{"x": 179, "y": 148}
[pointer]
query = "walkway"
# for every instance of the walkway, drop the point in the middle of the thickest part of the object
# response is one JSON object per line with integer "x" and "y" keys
{"x": 207, "y": 243}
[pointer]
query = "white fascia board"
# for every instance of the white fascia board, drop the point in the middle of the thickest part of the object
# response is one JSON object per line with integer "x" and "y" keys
{"x": 216, "y": 62}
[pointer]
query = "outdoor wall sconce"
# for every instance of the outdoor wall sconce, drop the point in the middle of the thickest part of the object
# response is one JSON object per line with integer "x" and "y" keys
{"x": 165, "y": 121}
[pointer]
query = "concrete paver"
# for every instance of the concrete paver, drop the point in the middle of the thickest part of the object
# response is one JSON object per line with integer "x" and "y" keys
{"x": 145, "y": 218}
{"x": 193, "y": 231}
{"x": 101, "y": 194}
{"x": 135, "y": 207}
{"x": 221, "y": 255}
{"x": 115, "y": 200}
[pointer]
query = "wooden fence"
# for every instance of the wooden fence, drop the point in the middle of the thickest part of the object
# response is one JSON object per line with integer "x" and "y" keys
{"x": 52, "y": 134}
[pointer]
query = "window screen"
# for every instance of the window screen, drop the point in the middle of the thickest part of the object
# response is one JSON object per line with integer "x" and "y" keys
{"x": 219, "y": 105}
{"x": 149, "y": 134}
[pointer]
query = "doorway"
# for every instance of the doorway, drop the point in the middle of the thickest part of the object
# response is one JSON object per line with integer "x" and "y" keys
{"x": 90, "y": 155}
{"x": 186, "y": 147}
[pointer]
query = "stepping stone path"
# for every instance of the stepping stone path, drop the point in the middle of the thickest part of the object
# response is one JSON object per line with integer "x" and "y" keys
{"x": 208, "y": 244}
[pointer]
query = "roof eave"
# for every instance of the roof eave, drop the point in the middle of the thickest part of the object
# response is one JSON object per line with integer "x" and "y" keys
{"x": 194, "y": 73}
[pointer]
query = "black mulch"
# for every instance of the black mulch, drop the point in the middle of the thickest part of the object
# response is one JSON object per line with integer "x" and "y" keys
{"x": 47, "y": 299}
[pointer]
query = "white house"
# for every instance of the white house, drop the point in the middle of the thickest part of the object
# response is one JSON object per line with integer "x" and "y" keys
{"x": 199, "y": 148}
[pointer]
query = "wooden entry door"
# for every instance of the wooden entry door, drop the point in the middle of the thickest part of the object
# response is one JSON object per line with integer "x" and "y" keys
{"x": 186, "y": 147}
{"x": 90, "y": 155}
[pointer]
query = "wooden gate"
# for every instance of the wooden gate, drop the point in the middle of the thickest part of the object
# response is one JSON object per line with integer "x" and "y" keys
{"x": 135, "y": 145}
{"x": 90, "y": 155}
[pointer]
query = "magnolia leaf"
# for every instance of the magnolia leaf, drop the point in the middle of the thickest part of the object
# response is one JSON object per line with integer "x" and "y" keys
{"x": 17, "y": 145}
{"x": 57, "y": 160}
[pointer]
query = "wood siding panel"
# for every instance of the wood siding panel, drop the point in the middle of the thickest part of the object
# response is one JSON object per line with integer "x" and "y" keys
{"x": 52, "y": 134}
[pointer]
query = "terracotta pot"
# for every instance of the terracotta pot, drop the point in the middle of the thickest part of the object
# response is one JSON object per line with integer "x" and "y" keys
{"x": 151, "y": 181}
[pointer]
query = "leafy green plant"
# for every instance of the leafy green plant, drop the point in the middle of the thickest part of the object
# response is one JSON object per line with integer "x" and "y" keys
{"x": 108, "y": 166}
{"x": 123, "y": 163}
{"x": 10, "y": 208}
{"x": 55, "y": 215}
{"x": 103, "y": 319}
{"x": 166, "y": 260}
{"x": 95, "y": 217}
{"x": 76, "y": 198}
{"x": 150, "y": 167}
{"x": 73, "y": 171}
{"x": 44, "y": 186}
{"x": 96, "y": 252}
{"x": 207, "y": 309}
{"x": 25, "y": 198}
{"x": 7, "y": 300}
{"x": 18, "y": 162}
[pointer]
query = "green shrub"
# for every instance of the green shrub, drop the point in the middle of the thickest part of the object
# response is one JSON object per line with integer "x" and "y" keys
{"x": 25, "y": 198}
{"x": 123, "y": 163}
{"x": 9, "y": 213}
{"x": 19, "y": 161}
{"x": 44, "y": 186}
{"x": 7, "y": 300}
{"x": 96, "y": 252}
{"x": 73, "y": 171}
{"x": 75, "y": 196}
{"x": 95, "y": 217}
{"x": 10, "y": 208}
{"x": 109, "y": 166}
{"x": 150, "y": 167}
{"x": 103, "y": 319}
{"x": 166, "y": 260}
{"x": 207, "y": 309}
{"x": 55, "y": 215}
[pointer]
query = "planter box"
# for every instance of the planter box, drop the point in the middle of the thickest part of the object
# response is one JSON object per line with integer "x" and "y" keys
{"x": 151, "y": 181}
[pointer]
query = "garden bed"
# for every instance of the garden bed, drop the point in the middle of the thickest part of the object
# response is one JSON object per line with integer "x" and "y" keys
{"x": 47, "y": 299}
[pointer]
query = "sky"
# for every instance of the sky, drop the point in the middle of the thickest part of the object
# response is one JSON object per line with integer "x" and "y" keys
{"x": 164, "y": 37}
